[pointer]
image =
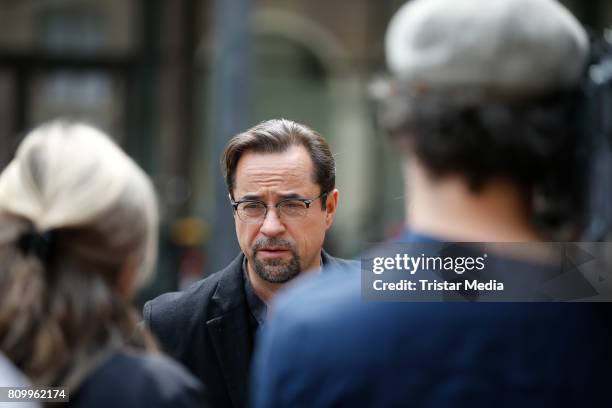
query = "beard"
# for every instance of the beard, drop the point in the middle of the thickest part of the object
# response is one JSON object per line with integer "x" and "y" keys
{"x": 276, "y": 270}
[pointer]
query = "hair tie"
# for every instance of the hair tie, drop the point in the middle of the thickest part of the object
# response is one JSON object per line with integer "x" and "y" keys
{"x": 36, "y": 243}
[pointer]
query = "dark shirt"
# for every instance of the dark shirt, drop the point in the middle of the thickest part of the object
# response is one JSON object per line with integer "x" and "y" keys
{"x": 257, "y": 307}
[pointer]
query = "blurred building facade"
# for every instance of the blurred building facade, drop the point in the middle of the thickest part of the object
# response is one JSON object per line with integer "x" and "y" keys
{"x": 142, "y": 70}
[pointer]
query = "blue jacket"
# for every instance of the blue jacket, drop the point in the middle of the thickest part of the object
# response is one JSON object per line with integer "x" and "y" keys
{"x": 325, "y": 347}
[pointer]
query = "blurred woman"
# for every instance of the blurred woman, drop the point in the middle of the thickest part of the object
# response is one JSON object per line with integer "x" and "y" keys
{"x": 78, "y": 235}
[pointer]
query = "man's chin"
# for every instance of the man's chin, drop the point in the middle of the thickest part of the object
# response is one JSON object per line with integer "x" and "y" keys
{"x": 280, "y": 278}
{"x": 275, "y": 270}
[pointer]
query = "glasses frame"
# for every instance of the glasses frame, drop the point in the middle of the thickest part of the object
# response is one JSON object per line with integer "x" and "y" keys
{"x": 306, "y": 201}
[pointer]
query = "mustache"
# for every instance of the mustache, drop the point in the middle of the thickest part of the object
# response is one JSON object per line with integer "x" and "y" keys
{"x": 263, "y": 243}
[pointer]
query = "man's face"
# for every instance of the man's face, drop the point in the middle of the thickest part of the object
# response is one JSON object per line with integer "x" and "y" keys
{"x": 278, "y": 248}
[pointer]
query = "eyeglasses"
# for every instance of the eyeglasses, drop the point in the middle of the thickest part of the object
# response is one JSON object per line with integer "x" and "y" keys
{"x": 255, "y": 212}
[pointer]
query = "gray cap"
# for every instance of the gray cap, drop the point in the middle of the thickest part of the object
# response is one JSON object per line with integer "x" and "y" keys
{"x": 517, "y": 47}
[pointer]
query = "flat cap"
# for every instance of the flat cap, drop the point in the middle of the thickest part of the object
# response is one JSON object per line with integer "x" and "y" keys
{"x": 521, "y": 47}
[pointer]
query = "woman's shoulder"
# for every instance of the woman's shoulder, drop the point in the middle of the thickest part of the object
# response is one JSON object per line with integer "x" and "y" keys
{"x": 136, "y": 379}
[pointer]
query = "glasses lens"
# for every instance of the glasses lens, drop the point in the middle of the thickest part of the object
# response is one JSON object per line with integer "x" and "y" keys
{"x": 251, "y": 211}
{"x": 292, "y": 208}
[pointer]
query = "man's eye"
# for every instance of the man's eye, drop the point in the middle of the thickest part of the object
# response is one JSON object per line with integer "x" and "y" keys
{"x": 251, "y": 206}
{"x": 293, "y": 204}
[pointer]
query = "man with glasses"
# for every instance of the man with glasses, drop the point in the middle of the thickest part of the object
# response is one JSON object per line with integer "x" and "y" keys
{"x": 281, "y": 183}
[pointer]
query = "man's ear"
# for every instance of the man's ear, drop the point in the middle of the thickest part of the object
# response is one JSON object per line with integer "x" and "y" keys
{"x": 126, "y": 281}
{"x": 331, "y": 204}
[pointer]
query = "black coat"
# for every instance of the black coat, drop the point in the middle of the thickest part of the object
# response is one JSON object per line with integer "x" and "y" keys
{"x": 208, "y": 328}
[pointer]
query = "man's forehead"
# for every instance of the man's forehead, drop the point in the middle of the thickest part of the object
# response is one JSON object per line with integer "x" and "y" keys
{"x": 294, "y": 162}
{"x": 287, "y": 171}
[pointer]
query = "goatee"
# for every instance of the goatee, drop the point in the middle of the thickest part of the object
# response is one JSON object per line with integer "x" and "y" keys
{"x": 276, "y": 270}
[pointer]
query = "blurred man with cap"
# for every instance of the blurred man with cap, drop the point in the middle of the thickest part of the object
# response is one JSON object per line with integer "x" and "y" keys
{"x": 482, "y": 105}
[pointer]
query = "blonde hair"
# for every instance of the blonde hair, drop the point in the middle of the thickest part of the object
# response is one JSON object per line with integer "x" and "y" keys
{"x": 58, "y": 313}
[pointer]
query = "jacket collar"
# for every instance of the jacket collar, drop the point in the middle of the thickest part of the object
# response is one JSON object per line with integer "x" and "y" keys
{"x": 230, "y": 331}
{"x": 229, "y": 292}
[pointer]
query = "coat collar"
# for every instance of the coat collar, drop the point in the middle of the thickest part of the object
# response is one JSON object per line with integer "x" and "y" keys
{"x": 230, "y": 331}
{"x": 229, "y": 293}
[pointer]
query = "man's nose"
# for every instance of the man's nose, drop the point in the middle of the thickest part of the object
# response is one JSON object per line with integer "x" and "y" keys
{"x": 272, "y": 224}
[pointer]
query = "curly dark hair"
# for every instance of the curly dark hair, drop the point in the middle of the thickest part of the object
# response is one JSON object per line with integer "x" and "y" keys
{"x": 530, "y": 142}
